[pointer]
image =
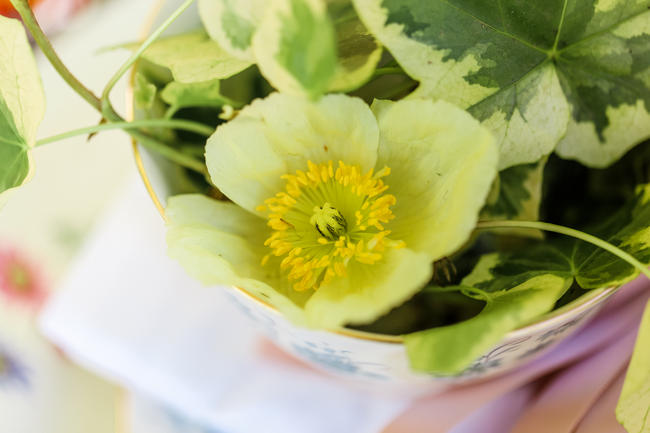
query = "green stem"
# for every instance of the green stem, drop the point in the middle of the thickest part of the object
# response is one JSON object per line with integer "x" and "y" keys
{"x": 26, "y": 13}
{"x": 169, "y": 113}
{"x": 482, "y": 295}
{"x": 538, "y": 225}
{"x": 131, "y": 60}
{"x": 109, "y": 112}
{"x": 170, "y": 153}
{"x": 388, "y": 70}
{"x": 185, "y": 125}
{"x": 465, "y": 290}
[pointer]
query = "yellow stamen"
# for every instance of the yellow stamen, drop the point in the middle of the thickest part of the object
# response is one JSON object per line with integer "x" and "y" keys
{"x": 327, "y": 218}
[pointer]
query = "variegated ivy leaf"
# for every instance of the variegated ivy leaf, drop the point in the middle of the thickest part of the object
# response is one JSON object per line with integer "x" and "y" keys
{"x": 522, "y": 285}
{"x": 358, "y": 51}
{"x": 590, "y": 266}
{"x": 22, "y": 105}
{"x": 232, "y": 23}
{"x": 296, "y": 50}
{"x": 516, "y": 193}
{"x": 193, "y": 57}
{"x": 295, "y": 46}
{"x": 451, "y": 349}
{"x": 575, "y": 72}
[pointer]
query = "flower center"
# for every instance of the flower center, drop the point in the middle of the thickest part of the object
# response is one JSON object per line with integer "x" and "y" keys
{"x": 327, "y": 218}
{"x": 18, "y": 277}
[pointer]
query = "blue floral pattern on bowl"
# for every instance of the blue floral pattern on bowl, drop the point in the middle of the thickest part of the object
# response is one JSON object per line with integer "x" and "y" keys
{"x": 333, "y": 360}
{"x": 371, "y": 359}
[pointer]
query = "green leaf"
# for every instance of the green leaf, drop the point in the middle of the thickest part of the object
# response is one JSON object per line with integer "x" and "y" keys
{"x": 536, "y": 73}
{"x": 22, "y": 105}
{"x": 144, "y": 92}
{"x": 505, "y": 280}
{"x": 193, "y": 57}
{"x": 516, "y": 193}
{"x": 501, "y": 272}
{"x": 232, "y": 23}
{"x": 628, "y": 229}
{"x": 146, "y": 97}
{"x": 633, "y": 409}
{"x": 295, "y": 47}
{"x": 199, "y": 94}
{"x": 358, "y": 50}
{"x": 14, "y": 156}
{"x": 590, "y": 266}
{"x": 450, "y": 349}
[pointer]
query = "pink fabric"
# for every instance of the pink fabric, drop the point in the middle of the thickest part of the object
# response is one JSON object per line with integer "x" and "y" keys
{"x": 601, "y": 417}
{"x": 500, "y": 415}
{"x": 534, "y": 400}
{"x": 562, "y": 403}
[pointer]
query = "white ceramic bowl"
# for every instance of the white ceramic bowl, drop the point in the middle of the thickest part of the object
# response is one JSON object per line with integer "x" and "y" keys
{"x": 378, "y": 357}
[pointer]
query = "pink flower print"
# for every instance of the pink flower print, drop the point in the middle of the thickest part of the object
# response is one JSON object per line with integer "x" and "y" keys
{"x": 19, "y": 280}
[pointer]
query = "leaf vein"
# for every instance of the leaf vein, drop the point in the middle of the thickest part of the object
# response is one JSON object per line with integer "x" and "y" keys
{"x": 603, "y": 31}
{"x": 12, "y": 142}
{"x": 559, "y": 27}
{"x": 522, "y": 41}
{"x": 514, "y": 83}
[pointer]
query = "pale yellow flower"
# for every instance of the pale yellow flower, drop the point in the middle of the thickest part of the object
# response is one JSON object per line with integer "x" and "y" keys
{"x": 338, "y": 209}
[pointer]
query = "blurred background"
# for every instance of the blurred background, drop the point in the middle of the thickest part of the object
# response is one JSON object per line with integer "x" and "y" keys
{"x": 42, "y": 227}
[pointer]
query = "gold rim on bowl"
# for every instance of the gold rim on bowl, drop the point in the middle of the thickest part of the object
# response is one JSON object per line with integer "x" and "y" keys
{"x": 583, "y": 303}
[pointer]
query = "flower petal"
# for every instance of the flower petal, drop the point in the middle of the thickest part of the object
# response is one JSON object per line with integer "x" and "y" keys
{"x": 369, "y": 291}
{"x": 221, "y": 244}
{"x": 234, "y": 237}
{"x": 442, "y": 165}
{"x": 279, "y": 134}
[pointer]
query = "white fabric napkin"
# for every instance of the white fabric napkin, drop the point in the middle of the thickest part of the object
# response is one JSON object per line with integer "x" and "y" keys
{"x": 128, "y": 312}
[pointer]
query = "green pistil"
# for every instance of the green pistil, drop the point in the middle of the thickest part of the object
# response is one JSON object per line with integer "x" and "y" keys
{"x": 328, "y": 221}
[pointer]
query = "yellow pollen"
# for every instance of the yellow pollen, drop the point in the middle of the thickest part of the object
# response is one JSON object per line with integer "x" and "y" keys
{"x": 327, "y": 218}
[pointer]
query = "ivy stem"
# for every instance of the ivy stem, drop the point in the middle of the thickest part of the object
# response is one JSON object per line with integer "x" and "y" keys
{"x": 185, "y": 125}
{"x": 171, "y": 153}
{"x": 465, "y": 290}
{"x": 134, "y": 57}
{"x": 388, "y": 70}
{"x": 26, "y": 13}
{"x": 539, "y": 225}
